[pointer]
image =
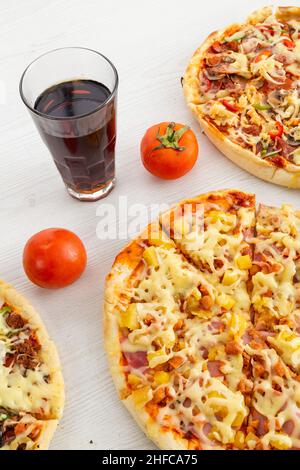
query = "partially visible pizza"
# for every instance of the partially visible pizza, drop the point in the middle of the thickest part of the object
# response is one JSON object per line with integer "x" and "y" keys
{"x": 202, "y": 325}
{"x": 31, "y": 383}
{"x": 243, "y": 86}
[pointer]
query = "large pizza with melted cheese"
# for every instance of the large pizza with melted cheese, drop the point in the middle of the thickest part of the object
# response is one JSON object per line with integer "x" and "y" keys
{"x": 202, "y": 325}
{"x": 243, "y": 86}
{"x": 31, "y": 383}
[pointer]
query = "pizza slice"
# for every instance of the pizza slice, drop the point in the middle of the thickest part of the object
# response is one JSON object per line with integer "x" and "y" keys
{"x": 31, "y": 383}
{"x": 179, "y": 368}
{"x": 215, "y": 232}
{"x": 274, "y": 420}
{"x": 147, "y": 288}
{"x": 210, "y": 407}
{"x": 275, "y": 280}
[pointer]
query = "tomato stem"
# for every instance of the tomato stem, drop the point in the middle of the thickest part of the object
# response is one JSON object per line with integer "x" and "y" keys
{"x": 171, "y": 137}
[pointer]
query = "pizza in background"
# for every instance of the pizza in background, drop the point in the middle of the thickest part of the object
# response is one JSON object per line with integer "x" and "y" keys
{"x": 202, "y": 325}
{"x": 31, "y": 383}
{"x": 243, "y": 86}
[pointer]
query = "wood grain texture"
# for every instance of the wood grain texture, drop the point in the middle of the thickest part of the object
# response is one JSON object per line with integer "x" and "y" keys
{"x": 150, "y": 42}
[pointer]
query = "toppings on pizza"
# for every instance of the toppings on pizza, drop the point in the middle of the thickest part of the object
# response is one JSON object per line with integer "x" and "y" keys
{"x": 208, "y": 325}
{"x": 274, "y": 420}
{"x": 18, "y": 431}
{"x": 267, "y": 57}
{"x": 276, "y": 285}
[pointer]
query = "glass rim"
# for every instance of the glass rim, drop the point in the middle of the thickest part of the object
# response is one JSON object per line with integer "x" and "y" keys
{"x": 54, "y": 118}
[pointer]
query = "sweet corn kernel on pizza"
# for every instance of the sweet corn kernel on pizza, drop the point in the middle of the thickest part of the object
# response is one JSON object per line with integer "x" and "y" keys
{"x": 202, "y": 325}
{"x": 243, "y": 86}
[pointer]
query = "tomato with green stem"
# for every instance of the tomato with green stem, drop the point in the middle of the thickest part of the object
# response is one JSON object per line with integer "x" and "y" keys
{"x": 169, "y": 150}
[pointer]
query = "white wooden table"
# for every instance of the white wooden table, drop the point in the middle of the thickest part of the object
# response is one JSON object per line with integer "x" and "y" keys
{"x": 150, "y": 43}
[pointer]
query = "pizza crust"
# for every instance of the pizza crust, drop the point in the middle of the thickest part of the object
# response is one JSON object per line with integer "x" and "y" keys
{"x": 246, "y": 159}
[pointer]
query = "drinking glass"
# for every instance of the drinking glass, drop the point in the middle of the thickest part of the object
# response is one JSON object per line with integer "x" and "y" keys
{"x": 83, "y": 145}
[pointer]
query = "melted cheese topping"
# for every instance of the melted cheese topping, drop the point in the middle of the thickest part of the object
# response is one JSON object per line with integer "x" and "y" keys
{"x": 217, "y": 251}
{"x": 274, "y": 299}
{"x": 287, "y": 343}
{"x": 174, "y": 277}
{"x": 30, "y": 393}
{"x": 211, "y": 399}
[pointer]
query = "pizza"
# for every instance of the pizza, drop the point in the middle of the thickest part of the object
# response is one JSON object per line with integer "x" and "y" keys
{"x": 202, "y": 325}
{"x": 31, "y": 383}
{"x": 243, "y": 86}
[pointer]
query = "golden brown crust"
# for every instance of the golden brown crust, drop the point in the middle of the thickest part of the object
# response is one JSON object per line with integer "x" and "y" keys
{"x": 49, "y": 428}
{"x": 225, "y": 198}
{"x": 246, "y": 159}
{"x": 288, "y": 13}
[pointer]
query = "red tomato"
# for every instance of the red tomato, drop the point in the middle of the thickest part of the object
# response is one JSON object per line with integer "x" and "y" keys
{"x": 169, "y": 150}
{"x": 54, "y": 258}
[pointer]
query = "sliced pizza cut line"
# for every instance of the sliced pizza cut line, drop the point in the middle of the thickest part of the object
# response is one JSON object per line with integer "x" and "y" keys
{"x": 275, "y": 296}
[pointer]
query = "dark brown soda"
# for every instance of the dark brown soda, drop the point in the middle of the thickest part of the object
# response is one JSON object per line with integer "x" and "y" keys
{"x": 83, "y": 148}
